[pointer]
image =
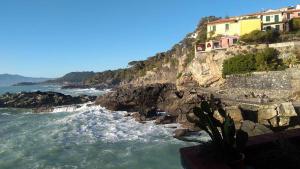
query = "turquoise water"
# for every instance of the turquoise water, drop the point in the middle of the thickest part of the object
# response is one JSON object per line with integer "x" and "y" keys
{"x": 86, "y": 137}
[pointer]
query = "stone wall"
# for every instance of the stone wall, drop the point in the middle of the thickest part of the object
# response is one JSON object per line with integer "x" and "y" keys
{"x": 273, "y": 80}
{"x": 285, "y": 44}
{"x": 275, "y": 84}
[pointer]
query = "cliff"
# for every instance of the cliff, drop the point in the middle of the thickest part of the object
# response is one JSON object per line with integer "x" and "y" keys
{"x": 164, "y": 67}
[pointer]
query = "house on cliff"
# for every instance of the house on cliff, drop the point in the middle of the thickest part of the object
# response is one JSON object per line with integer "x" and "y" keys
{"x": 224, "y": 33}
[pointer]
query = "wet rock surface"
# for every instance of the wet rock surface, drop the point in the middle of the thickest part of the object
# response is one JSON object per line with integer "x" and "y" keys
{"x": 150, "y": 99}
{"x": 41, "y": 100}
{"x": 147, "y": 100}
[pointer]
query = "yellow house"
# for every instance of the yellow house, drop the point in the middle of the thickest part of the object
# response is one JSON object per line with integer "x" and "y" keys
{"x": 232, "y": 27}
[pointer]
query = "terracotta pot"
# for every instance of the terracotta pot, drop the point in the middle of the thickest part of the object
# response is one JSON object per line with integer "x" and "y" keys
{"x": 238, "y": 164}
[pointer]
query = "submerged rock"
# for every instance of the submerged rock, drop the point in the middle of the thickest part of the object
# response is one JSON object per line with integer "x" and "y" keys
{"x": 178, "y": 133}
{"x": 41, "y": 101}
{"x": 165, "y": 119}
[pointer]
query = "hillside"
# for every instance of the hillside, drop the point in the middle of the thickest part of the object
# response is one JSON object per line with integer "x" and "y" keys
{"x": 73, "y": 77}
{"x": 8, "y": 79}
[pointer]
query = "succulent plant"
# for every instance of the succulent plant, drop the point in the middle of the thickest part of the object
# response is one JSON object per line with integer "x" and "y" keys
{"x": 224, "y": 137}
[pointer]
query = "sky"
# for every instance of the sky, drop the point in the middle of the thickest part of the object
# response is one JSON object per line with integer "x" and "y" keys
{"x": 49, "y": 38}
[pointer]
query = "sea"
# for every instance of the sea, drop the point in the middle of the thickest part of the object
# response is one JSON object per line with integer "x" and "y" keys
{"x": 89, "y": 137}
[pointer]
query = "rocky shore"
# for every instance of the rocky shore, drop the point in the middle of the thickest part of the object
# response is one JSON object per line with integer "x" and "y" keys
{"x": 41, "y": 101}
{"x": 146, "y": 101}
{"x": 165, "y": 103}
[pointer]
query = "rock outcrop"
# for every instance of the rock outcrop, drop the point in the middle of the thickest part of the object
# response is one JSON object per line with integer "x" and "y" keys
{"x": 144, "y": 99}
{"x": 149, "y": 99}
{"x": 254, "y": 129}
{"x": 41, "y": 100}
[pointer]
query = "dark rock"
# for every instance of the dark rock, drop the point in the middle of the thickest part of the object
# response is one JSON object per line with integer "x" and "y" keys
{"x": 43, "y": 109}
{"x": 179, "y": 94}
{"x": 254, "y": 129}
{"x": 165, "y": 119}
{"x": 139, "y": 117}
{"x": 75, "y": 86}
{"x": 41, "y": 100}
{"x": 178, "y": 133}
{"x": 150, "y": 99}
{"x": 142, "y": 99}
{"x": 127, "y": 114}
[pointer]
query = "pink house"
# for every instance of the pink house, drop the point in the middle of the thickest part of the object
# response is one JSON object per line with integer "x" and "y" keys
{"x": 294, "y": 13}
{"x": 223, "y": 42}
{"x": 227, "y": 41}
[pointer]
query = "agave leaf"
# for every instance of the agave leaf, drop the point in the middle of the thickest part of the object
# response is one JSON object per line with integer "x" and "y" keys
{"x": 229, "y": 131}
{"x": 198, "y": 111}
{"x": 206, "y": 107}
{"x": 205, "y": 128}
{"x": 217, "y": 137}
{"x": 222, "y": 112}
{"x": 241, "y": 139}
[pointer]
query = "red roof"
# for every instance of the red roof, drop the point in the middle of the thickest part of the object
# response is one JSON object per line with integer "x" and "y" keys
{"x": 291, "y": 11}
{"x": 221, "y": 21}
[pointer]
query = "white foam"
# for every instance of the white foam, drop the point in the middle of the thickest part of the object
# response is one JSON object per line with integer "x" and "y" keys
{"x": 96, "y": 123}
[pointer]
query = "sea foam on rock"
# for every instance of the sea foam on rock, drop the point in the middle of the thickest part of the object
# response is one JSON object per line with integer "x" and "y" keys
{"x": 41, "y": 101}
{"x": 150, "y": 99}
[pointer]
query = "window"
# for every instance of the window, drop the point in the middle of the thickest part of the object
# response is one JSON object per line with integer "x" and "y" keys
{"x": 277, "y": 27}
{"x": 276, "y": 18}
{"x": 214, "y": 28}
{"x": 227, "y": 27}
{"x": 268, "y": 28}
{"x": 234, "y": 41}
{"x": 268, "y": 18}
{"x": 298, "y": 14}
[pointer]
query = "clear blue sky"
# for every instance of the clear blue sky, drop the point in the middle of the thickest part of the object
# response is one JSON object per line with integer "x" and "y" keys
{"x": 52, "y": 37}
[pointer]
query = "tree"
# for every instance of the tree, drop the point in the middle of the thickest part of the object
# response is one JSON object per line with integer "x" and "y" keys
{"x": 202, "y": 28}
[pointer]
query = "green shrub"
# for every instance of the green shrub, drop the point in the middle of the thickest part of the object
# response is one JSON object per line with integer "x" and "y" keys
{"x": 174, "y": 62}
{"x": 242, "y": 63}
{"x": 179, "y": 75}
{"x": 190, "y": 56}
{"x": 265, "y": 60}
{"x": 258, "y": 36}
{"x": 295, "y": 24}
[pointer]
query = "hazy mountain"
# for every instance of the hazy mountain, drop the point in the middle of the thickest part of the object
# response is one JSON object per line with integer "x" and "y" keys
{"x": 8, "y": 79}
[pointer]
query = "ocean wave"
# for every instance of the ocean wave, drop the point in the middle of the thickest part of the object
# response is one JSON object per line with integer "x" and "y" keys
{"x": 95, "y": 123}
